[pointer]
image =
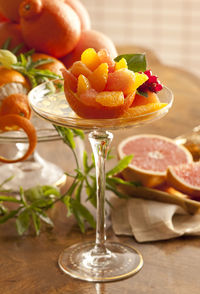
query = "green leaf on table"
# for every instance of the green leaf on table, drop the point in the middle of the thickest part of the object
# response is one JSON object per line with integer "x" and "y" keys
{"x": 114, "y": 181}
{"x": 5, "y": 182}
{"x": 9, "y": 199}
{"x": 83, "y": 212}
{"x": 67, "y": 136}
{"x": 135, "y": 62}
{"x": 9, "y": 215}
{"x": 91, "y": 192}
{"x": 43, "y": 203}
{"x": 44, "y": 217}
{"x": 67, "y": 201}
{"x": 80, "y": 221}
{"x": 78, "y": 133}
{"x": 121, "y": 165}
{"x": 3, "y": 210}
{"x": 116, "y": 192}
{"x": 36, "y": 222}
{"x": 86, "y": 166}
{"x": 78, "y": 191}
{"x": 40, "y": 192}
{"x": 23, "y": 221}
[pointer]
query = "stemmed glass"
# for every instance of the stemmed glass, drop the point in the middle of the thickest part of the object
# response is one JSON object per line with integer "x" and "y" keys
{"x": 98, "y": 261}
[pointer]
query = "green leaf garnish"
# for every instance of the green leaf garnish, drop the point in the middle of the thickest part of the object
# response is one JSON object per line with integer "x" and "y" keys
{"x": 135, "y": 62}
{"x": 144, "y": 94}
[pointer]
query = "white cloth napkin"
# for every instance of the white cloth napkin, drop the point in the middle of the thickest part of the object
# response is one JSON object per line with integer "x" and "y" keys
{"x": 149, "y": 220}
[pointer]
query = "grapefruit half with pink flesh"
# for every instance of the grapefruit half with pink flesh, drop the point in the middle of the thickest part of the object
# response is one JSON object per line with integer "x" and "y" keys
{"x": 152, "y": 154}
{"x": 185, "y": 178}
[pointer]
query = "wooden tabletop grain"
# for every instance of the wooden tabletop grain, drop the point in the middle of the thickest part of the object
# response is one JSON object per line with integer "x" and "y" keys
{"x": 28, "y": 265}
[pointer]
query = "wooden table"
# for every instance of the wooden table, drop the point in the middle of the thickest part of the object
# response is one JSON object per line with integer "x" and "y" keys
{"x": 28, "y": 265}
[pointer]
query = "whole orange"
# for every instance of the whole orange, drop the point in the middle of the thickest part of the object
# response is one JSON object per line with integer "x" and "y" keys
{"x": 90, "y": 39}
{"x": 82, "y": 12}
{"x": 12, "y": 31}
{"x": 9, "y": 8}
{"x": 51, "y": 27}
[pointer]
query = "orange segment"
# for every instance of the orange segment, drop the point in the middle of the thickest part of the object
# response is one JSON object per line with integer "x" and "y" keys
{"x": 78, "y": 68}
{"x": 143, "y": 109}
{"x": 114, "y": 98}
{"x": 90, "y": 58}
{"x": 83, "y": 85}
{"x": 121, "y": 80}
{"x": 121, "y": 64}
{"x": 105, "y": 57}
{"x": 99, "y": 77}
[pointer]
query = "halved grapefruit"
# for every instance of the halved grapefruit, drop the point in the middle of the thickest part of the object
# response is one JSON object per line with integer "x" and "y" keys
{"x": 152, "y": 154}
{"x": 185, "y": 178}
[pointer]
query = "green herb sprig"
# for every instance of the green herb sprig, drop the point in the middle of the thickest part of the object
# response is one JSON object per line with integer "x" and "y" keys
{"x": 30, "y": 207}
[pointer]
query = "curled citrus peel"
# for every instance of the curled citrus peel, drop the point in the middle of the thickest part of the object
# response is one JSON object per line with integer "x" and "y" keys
{"x": 11, "y": 122}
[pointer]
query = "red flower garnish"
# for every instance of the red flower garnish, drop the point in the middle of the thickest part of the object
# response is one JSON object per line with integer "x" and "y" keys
{"x": 152, "y": 84}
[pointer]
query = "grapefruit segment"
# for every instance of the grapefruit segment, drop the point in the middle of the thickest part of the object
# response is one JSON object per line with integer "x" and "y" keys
{"x": 105, "y": 57}
{"x": 121, "y": 80}
{"x": 152, "y": 154}
{"x": 185, "y": 178}
{"x": 98, "y": 78}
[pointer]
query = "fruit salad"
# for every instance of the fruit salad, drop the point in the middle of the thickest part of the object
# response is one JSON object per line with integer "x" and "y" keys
{"x": 98, "y": 87}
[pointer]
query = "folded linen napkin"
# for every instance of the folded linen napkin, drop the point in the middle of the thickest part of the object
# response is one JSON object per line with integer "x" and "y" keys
{"x": 149, "y": 220}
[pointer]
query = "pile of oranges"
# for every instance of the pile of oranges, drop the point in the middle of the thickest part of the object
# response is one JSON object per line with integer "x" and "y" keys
{"x": 56, "y": 29}
{"x": 60, "y": 28}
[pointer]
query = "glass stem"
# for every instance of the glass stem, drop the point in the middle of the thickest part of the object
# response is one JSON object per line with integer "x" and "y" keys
{"x": 100, "y": 142}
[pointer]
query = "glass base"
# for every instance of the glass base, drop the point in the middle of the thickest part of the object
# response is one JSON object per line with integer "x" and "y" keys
{"x": 119, "y": 262}
{"x": 32, "y": 172}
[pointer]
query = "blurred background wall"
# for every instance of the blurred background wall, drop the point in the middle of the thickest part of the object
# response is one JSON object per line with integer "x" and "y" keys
{"x": 171, "y": 28}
